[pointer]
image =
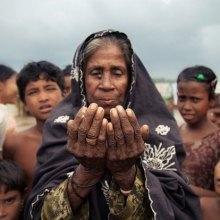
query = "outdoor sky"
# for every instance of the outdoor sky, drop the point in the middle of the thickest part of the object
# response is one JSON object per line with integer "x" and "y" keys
{"x": 168, "y": 35}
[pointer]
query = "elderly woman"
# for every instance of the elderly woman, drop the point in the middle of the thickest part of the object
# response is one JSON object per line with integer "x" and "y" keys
{"x": 111, "y": 149}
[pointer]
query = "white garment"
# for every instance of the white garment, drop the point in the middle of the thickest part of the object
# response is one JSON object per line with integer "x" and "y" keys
{"x": 7, "y": 123}
{"x": 3, "y": 124}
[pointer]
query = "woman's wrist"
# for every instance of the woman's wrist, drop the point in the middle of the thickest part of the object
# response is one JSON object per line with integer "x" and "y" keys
{"x": 85, "y": 176}
{"x": 126, "y": 179}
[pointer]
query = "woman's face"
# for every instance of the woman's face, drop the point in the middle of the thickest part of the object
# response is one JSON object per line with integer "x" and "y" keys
{"x": 193, "y": 101}
{"x": 106, "y": 78}
{"x": 9, "y": 91}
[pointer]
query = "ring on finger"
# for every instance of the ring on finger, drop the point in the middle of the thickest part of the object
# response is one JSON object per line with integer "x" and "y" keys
{"x": 91, "y": 141}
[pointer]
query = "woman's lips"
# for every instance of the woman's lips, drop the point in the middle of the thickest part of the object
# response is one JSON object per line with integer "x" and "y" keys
{"x": 106, "y": 102}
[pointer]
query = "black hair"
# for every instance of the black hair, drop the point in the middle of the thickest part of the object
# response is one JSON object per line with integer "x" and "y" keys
{"x": 201, "y": 74}
{"x": 12, "y": 176}
{"x": 34, "y": 71}
{"x": 6, "y": 73}
{"x": 67, "y": 70}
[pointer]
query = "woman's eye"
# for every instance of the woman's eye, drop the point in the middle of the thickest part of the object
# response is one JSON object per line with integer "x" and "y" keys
{"x": 96, "y": 73}
{"x": 117, "y": 72}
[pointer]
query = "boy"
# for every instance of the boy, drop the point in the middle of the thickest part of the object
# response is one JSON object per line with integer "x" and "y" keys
{"x": 12, "y": 187}
{"x": 41, "y": 88}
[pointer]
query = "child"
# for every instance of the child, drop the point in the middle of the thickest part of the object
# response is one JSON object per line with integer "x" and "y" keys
{"x": 214, "y": 112}
{"x": 211, "y": 205}
{"x": 67, "y": 79}
{"x": 12, "y": 187}
{"x": 196, "y": 94}
{"x": 41, "y": 87}
{"x": 8, "y": 95}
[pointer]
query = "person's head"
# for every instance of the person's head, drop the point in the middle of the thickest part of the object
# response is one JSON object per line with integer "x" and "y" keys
{"x": 105, "y": 67}
{"x": 170, "y": 104}
{"x": 196, "y": 93}
{"x": 214, "y": 112}
{"x": 67, "y": 78}
{"x": 41, "y": 87}
{"x": 12, "y": 188}
{"x": 8, "y": 87}
{"x": 217, "y": 177}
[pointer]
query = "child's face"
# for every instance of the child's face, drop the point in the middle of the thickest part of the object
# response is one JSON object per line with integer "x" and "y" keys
{"x": 41, "y": 97}
{"x": 9, "y": 92}
{"x": 10, "y": 204}
{"x": 193, "y": 101}
{"x": 214, "y": 115}
{"x": 67, "y": 80}
{"x": 217, "y": 178}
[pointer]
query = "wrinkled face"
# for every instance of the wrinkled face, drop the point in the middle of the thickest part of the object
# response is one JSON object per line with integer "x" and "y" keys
{"x": 193, "y": 101}
{"x": 10, "y": 204}
{"x": 106, "y": 78}
{"x": 41, "y": 97}
{"x": 214, "y": 115}
{"x": 9, "y": 91}
{"x": 217, "y": 178}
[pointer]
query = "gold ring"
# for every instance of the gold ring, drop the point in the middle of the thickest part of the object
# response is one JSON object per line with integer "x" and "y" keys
{"x": 91, "y": 141}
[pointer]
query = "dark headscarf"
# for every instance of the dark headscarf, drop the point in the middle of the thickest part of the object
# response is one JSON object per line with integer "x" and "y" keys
{"x": 168, "y": 193}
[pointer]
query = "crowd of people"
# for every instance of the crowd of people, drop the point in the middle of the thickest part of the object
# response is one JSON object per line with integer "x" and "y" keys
{"x": 105, "y": 144}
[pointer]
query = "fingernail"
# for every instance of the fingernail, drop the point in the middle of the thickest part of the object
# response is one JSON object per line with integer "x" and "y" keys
{"x": 119, "y": 108}
{"x": 100, "y": 110}
{"x": 93, "y": 106}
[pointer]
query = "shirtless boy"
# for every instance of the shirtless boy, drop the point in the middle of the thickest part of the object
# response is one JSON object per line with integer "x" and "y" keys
{"x": 41, "y": 88}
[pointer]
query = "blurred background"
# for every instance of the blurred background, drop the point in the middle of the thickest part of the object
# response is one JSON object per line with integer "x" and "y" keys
{"x": 168, "y": 35}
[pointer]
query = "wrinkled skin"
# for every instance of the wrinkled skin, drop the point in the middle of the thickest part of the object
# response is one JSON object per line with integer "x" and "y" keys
{"x": 104, "y": 136}
{"x": 119, "y": 142}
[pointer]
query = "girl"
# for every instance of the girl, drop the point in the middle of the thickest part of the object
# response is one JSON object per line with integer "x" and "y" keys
{"x": 201, "y": 138}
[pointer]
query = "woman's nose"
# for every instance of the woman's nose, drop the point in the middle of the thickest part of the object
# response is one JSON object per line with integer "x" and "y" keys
{"x": 106, "y": 81}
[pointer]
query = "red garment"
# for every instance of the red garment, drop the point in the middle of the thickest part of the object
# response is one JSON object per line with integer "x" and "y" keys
{"x": 200, "y": 161}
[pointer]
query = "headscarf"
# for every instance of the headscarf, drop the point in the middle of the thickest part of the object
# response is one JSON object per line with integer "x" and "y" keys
{"x": 168, "y": 193}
